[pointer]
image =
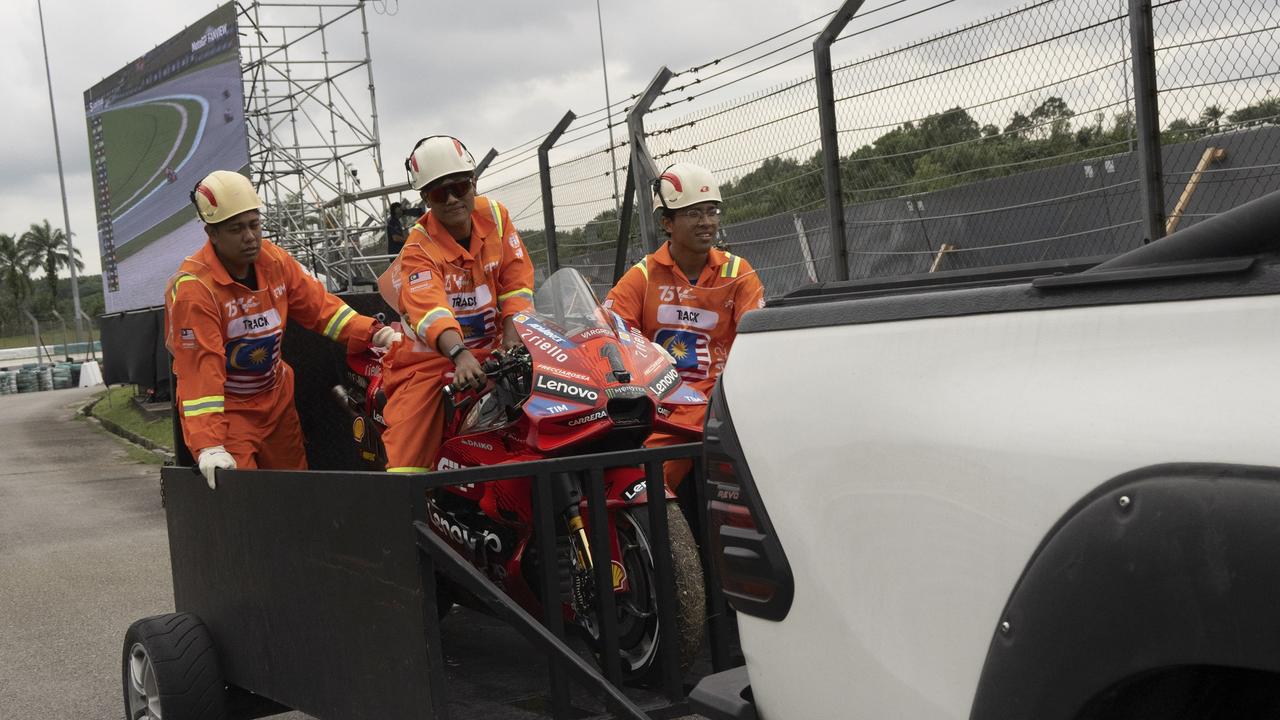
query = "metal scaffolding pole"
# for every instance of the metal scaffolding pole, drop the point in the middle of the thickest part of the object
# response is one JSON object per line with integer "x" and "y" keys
{"x": 312, "y": 139}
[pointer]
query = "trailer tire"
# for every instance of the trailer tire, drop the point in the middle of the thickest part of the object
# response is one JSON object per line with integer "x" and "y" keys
{"x": 170, "y": 670}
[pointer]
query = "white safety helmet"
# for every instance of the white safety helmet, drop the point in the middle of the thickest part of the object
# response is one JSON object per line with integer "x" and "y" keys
{"x": 435, "y": 157}
{"x": 684, "y": 184}
{"x": 222, "y": 195}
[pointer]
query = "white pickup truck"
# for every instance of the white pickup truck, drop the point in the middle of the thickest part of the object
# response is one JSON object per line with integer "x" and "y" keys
{"x": 1035, "y": 493}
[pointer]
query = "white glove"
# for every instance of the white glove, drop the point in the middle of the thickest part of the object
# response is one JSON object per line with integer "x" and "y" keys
{"x": 212, "y": 458}
{"x": 385, "y": 338}
{"x": 663, "y": 352}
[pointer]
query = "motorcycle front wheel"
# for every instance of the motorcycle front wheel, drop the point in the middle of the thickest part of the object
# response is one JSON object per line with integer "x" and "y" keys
{"x": 639, "y": 631}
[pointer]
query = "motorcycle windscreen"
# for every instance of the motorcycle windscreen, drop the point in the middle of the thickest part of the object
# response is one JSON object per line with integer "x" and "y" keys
{"x": 566, "y": 300}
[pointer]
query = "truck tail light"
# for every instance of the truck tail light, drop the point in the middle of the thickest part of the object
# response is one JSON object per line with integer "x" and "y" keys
{"x": 748, "y": 558}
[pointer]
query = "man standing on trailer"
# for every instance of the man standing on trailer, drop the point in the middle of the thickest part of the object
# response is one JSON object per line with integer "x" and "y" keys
{"x": 225, "y": 311}
{"x": 688, "y": 296}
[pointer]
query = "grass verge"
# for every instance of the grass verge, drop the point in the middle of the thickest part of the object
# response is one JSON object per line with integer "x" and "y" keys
{"x": 117, "y": 413}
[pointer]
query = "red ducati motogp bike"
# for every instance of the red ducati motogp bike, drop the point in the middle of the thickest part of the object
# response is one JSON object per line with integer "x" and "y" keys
{"x": 582, "y": 383}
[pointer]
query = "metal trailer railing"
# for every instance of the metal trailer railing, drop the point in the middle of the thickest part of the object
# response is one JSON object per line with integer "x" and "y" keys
{"x": 282, "y": 566}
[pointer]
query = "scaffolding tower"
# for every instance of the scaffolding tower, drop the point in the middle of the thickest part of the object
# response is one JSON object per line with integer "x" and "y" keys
{"x": 312, "y": 118}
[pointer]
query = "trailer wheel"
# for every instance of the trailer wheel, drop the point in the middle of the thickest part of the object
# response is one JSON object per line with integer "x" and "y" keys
{"x": 170, "y": 670}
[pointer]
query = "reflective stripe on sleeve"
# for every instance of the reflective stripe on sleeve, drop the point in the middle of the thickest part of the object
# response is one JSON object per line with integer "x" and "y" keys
{"x": 644, "y": 266}
{"x": 731, "y": 267}
{"x": 408, "y": 469}
{"x": 338, "y": 321}
{"x": 203, "y": 406}
{"x": 431, "y": 316}
{"x": 522, "y": 292}
{"x": 496, "y": 209}
{"x": 179, "y": 281}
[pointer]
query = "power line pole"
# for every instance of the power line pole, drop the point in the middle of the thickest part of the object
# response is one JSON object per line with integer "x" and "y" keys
{"x": 62, "y": 183}
{"x": 608, "y": 112}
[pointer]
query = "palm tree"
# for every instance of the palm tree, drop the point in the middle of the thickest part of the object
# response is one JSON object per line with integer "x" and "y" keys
{"x": 46, "y": 247}
{"x": 1211, "y": 116}
{"x": 14, "y": 267}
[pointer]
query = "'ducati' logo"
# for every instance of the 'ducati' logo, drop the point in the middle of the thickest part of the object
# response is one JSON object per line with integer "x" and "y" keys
{"x": 565, "y": 389}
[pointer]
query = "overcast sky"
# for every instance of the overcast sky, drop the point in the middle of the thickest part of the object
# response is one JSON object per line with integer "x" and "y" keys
{"x": 495, "y": 72}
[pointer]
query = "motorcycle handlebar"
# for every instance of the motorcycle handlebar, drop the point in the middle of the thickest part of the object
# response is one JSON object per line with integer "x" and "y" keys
{"x": 493, "y": 365}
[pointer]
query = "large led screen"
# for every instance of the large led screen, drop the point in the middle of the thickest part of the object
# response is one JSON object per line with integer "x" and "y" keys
{"x": 156, "y": 127}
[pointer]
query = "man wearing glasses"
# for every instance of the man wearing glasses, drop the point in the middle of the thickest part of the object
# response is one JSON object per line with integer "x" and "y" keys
{"x": 462, "y": 275}
{"x": 688, "y": 296}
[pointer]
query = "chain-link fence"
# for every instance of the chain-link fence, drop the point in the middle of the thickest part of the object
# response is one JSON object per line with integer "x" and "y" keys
{"x": 1013, "y": 138}
{"x": 1217, "y": 64}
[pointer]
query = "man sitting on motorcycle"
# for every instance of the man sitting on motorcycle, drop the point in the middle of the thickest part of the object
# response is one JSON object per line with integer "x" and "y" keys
{"x": 462, "y": 274}
{"x": 688, "y": 296}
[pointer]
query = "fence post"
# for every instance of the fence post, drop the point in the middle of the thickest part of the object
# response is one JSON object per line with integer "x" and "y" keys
{"x": 641, "y": 162}
{"x": 827, "y": 128}
{"x": 93, "y": 354}
{"x": 805, "y": 250}
{"x": 624, "y": 226}
{"x": 544, "y": 173}
{"x": 66, "y": 349}
{"x": 484, "y": 162}
{"x": 35, "y": 325}
{"x": 1147, "y": 110}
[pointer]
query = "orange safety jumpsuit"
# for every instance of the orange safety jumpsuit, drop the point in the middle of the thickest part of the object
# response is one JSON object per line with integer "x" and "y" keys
{"x": 436, "y": 285}
{"x": 234, "y": 389}
{"x": 695, "y": 322}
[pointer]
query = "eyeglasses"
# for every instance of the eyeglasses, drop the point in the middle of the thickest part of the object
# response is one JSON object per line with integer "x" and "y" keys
{"x": 711, "y": 213}
{"x": 457, "y": 188}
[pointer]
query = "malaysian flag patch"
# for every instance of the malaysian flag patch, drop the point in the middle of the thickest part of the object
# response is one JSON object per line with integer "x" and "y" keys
{"x": 478, "y": 328}
{"x": 690, "y": 350}
{"x": 187, "y": 338}
{"x": 422, "y": 277}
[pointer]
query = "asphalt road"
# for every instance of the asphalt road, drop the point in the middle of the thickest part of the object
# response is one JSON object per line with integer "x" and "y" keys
{"x": 84, "y": 552}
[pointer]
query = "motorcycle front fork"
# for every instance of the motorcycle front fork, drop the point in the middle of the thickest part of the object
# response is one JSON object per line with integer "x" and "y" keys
{"x": 566, "y": 492}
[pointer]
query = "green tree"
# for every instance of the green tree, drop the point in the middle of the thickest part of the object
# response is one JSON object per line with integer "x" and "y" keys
{"x": 1054, "y": 114}
{"x": 1211, "y": 116}
{"x": 1180, "y": 130}
{"x": 1019, "y": 125}
{"x": 14, "y": 269}
{"x": 1266, "y": 111}
{"x": 47, "y": 248}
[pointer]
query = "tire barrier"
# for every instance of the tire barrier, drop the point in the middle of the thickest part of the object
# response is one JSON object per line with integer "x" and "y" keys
{"x": 32, "y": 377}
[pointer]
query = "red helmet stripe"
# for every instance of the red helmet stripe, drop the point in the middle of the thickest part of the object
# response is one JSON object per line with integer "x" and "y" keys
{"x": 675, "y": 181}
{"x": 413, "y": 160}
{"x": 457, "y": 146}
{"x": 208, "y": 194}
